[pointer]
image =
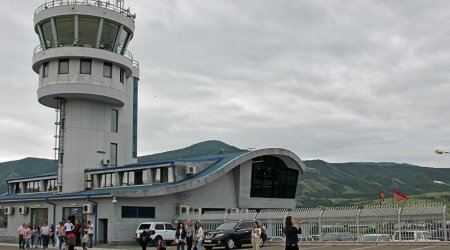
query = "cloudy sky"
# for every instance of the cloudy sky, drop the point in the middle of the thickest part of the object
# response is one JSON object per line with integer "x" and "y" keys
{"x": 334, "y": 80}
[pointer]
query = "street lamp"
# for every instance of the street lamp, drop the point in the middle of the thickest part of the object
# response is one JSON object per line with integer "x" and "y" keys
{"x": 441, "y": 152}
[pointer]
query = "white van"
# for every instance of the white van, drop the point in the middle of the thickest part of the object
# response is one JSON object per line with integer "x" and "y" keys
{"x": 413, "y": 235}
{"x": 163, "y": 230}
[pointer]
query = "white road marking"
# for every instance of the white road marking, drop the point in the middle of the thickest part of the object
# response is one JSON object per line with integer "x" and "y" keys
{"x": 423, "y": 247}
{"x": 363, "y": 247}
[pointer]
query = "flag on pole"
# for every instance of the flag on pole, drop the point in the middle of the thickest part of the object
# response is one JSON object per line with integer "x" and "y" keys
{"x": 399, "y": 195}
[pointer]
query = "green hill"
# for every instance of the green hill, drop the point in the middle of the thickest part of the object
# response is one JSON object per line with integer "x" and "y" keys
{"x": 25, "y": 167}
{"x": 337, "y": 184}
{"x": 199, "y": 149}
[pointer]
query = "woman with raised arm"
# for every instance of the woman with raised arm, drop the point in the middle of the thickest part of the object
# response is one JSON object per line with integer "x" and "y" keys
{"x": 292, "y": 230}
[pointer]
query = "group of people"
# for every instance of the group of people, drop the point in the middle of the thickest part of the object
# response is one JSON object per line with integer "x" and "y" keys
{"x": 34, "y": 236}
{"x": 70, "y": 233}
{"x": 190, "y": 235}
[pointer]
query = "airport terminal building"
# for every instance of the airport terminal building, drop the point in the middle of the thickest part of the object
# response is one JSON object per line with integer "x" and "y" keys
{"x": 87, "y": 74}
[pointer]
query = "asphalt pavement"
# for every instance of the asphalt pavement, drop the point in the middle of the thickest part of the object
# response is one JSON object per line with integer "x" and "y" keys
{"x": 278, "y": 247}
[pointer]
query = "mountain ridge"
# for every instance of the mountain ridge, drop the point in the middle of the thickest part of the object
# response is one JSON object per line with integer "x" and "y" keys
{"x": 336, "y": 184}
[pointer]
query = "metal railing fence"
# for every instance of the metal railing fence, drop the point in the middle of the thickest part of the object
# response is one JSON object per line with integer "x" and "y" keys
{"x": 418, "y": 222}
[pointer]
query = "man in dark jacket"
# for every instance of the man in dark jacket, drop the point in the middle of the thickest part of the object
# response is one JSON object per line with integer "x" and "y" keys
{"x": 144, "y": 238}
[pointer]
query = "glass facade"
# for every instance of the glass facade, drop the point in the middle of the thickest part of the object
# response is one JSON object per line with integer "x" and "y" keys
{"x": 47, "y": 34}
{"x": 39, "y": 216}
{"x": 32, "y": 186}
{"x": 121, "y": 43}
{"x": 75, "y": 213}
{"x": 107, "y": 70}
{"x": 138, "y": 212}
{"x": 65, "y": 28}
{"x": 45, "y": 70}
{"x": 63, "y": 67}
{"x": 271, "y": 178}
{"x": 113, "y": 154}
{"x": 87, "y": 31}
{"x": 85, "y": 66}
{"x": 109, "y": 33}
{"x": 3, "y": 219}
{"x": 135, "y": 115}
{"x": 114, "y": 120}
{"x": 107, "y": 180}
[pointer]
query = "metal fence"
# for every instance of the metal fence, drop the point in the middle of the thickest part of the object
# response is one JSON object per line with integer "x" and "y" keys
{"x": 418, "y": 222}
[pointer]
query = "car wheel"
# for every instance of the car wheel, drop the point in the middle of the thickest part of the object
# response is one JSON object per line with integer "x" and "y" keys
{"x": 261, "y": 242}
{"x": 230, "y": 244}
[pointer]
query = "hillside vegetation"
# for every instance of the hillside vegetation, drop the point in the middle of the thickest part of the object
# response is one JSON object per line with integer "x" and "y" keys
{"x": 353, "y": 183}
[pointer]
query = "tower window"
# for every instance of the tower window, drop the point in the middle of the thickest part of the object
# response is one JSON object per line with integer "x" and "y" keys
{"x": 114, "y": 120}
{"x": 63, "y": 66}
{"x": 45, "y": 71}
{"x": 85, "y": 66}
{"x": 107, "y": 70}
{"x": 113, "y": 154}
{"x": 122, "y": 75}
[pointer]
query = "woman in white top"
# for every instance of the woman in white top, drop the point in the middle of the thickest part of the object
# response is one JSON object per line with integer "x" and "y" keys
{"x": 256, "y": 235}
{"x": 198, "y": 236}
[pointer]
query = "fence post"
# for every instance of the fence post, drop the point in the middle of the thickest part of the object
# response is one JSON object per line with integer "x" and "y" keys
{"x": 399, "y": 212}
{"x": 358, "y": 213}
{"x": 444, "y": 222}
{"x": 320, "y": 224}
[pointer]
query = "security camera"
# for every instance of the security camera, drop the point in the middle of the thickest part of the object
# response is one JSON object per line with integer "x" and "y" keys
{"x": 114, "y": 201}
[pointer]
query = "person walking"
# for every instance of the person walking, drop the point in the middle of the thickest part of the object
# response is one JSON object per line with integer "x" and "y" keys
{"x": 84, "y": 241}
{"x": 60, "y": 234}
{"x": 77, "y": 232}
{"x": 180, "y": 236}
{"x": 292, "y": 230}
{"x": 189, "y": 233}
{"x": 256, "y": 235}
{"x": 34, "y": 236}
{"x": 90, "y": 232}
{"x": 144, "y": 238}
{"x": 45, "y": 235}
{"x": 27, "y": 236}
{"x": 70, "y": 235}
{"x": 52, "y": 234}
{"x": 198, "y": 236}
{"x": 20, "y": 230}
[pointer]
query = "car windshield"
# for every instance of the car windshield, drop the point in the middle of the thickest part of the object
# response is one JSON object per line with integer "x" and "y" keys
{"x": 227, "y": 225}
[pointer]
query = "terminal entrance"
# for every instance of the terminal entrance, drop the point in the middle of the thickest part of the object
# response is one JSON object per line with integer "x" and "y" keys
{"x": 75, "y": 213}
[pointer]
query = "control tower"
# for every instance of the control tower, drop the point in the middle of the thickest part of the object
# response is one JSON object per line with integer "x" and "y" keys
{"x": 87, "y": 75}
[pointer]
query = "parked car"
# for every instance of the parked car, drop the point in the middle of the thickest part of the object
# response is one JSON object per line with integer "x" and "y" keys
{"x": 374, "y": 237}
{"x": 338, "y": 237}
{"x": 413, "y": 235}
{"x": 232, "y": 234}
{"x": 162, "y": 230}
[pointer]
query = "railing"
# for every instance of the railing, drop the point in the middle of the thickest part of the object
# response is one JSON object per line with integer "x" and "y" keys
{"x": 87, "y": 44}
{"x": 346, "y": 223}
{"x": 102, "y": 4}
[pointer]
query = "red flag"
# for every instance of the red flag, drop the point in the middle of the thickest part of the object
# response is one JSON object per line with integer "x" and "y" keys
{"x": 399, "y": 195}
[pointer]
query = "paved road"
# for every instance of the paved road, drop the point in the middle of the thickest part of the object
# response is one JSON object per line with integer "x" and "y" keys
{"x": 136, "y": 247}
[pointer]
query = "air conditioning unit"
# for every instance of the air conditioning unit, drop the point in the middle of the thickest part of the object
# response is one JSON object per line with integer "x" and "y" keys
{"x": 196, "y": 210}
{"x": 191, "y": 170}
{"x": 106, "y": 162}
{"x": 23, "y": 210}
{"x": 9, "y": 210}
{"x": 183, "y": 210}
{"x": 88, "y": 208}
